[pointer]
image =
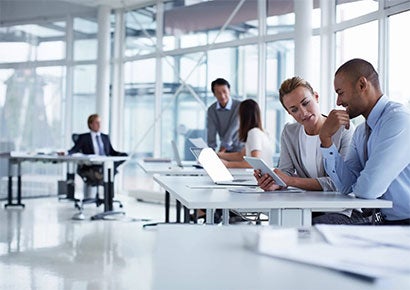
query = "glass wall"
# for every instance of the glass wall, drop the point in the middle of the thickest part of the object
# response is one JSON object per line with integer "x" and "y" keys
{"x": 171, "y": 55}
{"x": 398, "y": 59}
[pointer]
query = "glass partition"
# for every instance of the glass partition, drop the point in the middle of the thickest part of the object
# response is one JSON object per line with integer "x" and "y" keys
{"x": 398, "y": 59}
{"x": 140, "y": 31}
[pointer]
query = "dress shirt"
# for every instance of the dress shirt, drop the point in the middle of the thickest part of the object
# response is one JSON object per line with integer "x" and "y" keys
{"x": 95, "y": 144}
{"x": 387, "y": 171}
{"x": 227, "y": 107}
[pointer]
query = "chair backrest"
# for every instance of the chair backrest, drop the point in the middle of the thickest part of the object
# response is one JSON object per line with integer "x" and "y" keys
{"x": 75, "y": 137}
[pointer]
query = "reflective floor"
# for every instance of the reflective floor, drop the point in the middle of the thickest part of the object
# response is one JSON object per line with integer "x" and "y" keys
{"x": 41, "y": 247}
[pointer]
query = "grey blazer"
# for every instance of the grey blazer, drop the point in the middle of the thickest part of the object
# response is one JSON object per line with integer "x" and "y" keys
{"x": 290, "y": 159}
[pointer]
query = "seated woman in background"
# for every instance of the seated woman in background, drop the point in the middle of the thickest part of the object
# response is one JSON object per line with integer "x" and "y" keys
{"x": 257, "y": 143}
{"x": 301, "y": 163}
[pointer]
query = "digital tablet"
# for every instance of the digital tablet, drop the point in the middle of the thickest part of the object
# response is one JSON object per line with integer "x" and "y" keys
{"x": 259, "y": 164}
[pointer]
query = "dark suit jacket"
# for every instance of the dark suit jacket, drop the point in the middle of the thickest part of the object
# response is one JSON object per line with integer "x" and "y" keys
{"x": 84, "y": 145}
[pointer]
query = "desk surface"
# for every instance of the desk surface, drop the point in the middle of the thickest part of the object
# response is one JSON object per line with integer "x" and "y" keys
{"x": 23, "y": 156}
{"x": 220, "y": 197}
{"x": 170, "y": 168}
{"x": 213, "y": 257}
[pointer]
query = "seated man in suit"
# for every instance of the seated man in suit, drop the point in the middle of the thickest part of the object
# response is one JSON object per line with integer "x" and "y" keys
{"x": 97, "y": 143}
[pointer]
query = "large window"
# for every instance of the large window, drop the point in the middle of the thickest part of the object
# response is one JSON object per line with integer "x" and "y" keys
{"x": 139, "y": 109}
{"x": 358, "y": 42}
{"x": 279, "y": 66}
{"x": 140, "y": 32}
{"x": 398, "y": 59}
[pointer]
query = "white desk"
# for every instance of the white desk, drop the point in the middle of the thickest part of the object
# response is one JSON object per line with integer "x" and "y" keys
{"x": 285, "y": 209}
{"x": 213, "y": 257}
{"x": 170, "y": 168}
{"x": 16, "y": 158}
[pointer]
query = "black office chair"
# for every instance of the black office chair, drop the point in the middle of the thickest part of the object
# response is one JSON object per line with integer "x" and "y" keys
{"x": 93, "y": 176}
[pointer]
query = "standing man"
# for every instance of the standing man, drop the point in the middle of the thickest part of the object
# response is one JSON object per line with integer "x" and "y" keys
{"x": 377, "y": 164}
{"x": 223, "y": 119}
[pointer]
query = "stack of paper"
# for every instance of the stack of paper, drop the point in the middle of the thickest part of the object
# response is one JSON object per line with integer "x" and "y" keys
{"x": 369, "y": 251}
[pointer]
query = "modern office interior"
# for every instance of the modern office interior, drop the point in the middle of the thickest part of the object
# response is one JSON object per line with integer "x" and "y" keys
{"x": 146, "y": 68}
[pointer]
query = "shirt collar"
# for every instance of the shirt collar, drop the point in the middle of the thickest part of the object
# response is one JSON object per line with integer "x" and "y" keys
{"x": 377, "y": 111}
{"x": 93, "y": 134}
{"x": 228, "y": 106}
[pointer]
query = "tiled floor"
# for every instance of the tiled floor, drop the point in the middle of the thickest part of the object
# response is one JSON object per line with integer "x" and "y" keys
{"x": 41, "y": 247}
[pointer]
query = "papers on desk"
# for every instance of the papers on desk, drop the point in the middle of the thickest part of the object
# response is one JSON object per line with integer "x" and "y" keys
{"x": 369, "y": 252}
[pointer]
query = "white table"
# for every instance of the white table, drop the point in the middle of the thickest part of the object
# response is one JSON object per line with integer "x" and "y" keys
{"x": 285, "y": 209}
{"x": 213, "y": 257}
{"x": 170, "y": 168}
{"x": 16, "y": 158}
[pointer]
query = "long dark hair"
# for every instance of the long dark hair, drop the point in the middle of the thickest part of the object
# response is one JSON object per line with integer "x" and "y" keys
{"x": 249, "y": 118}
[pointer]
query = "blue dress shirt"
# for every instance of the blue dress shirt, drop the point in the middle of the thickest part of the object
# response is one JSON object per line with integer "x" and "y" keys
{"x": 386, "y": 173}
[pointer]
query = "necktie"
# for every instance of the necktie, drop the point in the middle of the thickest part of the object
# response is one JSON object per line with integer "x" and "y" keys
{"x": 368, "y": 131}
{"x": 100, "y": 145}
{"x": 367, "y": 212}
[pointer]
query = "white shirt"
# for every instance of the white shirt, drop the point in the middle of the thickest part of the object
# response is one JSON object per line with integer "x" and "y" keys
{"x": 311, "y": 154}
{"x": 258, "y": 140}
{"x": 95, "y": 144}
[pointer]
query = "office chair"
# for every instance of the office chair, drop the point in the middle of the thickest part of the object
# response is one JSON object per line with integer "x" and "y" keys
{"x": 92, "y": 177}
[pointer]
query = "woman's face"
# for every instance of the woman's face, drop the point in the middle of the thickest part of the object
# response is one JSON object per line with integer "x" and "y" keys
{"x": 303, "y": 106}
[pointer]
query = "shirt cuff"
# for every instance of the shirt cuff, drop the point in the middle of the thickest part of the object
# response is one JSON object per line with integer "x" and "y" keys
{"x": 329, "y": 153}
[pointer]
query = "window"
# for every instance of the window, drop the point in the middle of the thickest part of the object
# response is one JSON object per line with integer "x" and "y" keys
{"x": 398, "y": 59}
{"x": 140, "y": 31}
{"x": 346, "y": 10}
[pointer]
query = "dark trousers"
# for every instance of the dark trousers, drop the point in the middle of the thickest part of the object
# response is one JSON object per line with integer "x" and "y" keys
{"x": 405, "y": 222}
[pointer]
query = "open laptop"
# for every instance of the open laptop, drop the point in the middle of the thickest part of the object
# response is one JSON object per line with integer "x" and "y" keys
{"x": 177, "y": 157}
{"x": 217, "y": 171}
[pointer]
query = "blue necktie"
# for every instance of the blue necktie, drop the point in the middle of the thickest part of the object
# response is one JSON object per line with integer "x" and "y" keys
{"x": 100, "y": 145}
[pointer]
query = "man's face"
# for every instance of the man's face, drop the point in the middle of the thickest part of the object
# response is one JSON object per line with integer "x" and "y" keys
{"x": 349, "y": 95}
{"x": 222, "y": 94}
{"x": 303, "y": 106}
{"x": 95, "y": 125}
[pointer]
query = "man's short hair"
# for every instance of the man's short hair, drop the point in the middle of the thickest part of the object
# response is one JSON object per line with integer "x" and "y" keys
{"x": 91, "y": 119}
{"x": 219, "y": 82}
{"x": 356, "y": 68}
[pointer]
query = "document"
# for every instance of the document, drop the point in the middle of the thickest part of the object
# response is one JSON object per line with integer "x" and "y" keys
{"x": 374, "y": 258}
{"x": 198, "y": 142}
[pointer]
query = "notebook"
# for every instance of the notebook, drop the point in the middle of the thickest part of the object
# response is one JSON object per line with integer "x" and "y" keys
{"x": 217, "y": 171}
{"x": 177, "y": 157}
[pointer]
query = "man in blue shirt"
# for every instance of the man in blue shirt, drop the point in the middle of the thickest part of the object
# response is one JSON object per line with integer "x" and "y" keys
{"x": 377, "y": 164}
{"x": 223, "y": 119}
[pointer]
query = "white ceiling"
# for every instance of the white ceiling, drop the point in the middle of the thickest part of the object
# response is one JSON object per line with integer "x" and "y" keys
{"x": 109, "y": 3}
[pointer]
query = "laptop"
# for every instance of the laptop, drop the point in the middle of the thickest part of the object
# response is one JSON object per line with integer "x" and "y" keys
{"x": 217, "y": 171}
{"x": 177, "y": 157}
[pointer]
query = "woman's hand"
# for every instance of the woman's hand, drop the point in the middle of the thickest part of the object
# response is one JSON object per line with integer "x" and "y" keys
{"x": 265, "y": 181}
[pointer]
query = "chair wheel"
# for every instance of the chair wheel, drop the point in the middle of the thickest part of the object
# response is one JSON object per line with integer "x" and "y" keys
{"x": 121, "y": 206}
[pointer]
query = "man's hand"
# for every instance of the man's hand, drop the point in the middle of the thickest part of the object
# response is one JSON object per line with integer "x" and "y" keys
{"x": 265, "y": 181}
{"x": 333, "y": 122}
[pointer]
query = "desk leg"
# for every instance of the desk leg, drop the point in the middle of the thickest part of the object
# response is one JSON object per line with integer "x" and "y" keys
{"x": 167, "y": 205}
{"x": 186, "y": 215}
{"x": 210, "y": 216}
{"x": 225, "y": 216}
{"x": 10, "y": 186}
{"x": 178, "y": 211}
{"x": 10, "y": 192}
{"x": 108, "y": 195}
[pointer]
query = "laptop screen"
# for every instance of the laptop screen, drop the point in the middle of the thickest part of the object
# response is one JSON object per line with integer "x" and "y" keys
{"x": 213, "y": 166}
